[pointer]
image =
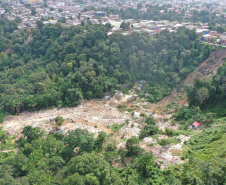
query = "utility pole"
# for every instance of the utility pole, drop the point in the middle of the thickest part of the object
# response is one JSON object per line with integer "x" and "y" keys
{"x": 85, "y": 23}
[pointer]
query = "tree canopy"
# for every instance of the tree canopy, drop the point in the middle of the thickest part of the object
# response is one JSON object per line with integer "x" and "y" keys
{"x": 63, "y": 65}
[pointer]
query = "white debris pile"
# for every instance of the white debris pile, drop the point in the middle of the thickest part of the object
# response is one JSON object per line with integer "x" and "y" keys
{"x": 93, "y": 111}
{"x": 163, "y": 125}
{"x": 129, "y": 130}
{"x": 176, "y": 147}
{"x": 149, "y": 140}
{"x": 183, "y": 138}
{"x": 74, "y": 126}
{"x": 136, "y": 114}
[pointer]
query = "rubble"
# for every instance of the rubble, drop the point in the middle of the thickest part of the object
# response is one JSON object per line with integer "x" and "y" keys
{"x": 72, "y": 126}
{"x": 137, "y": 114}
{"x": 94, "y": 111}
{"x": 149, "y": 140}
{"x": 96, "y": 116}
{"x": 183, "y": 138}
{"x": 129, "y": 130}
{"x": 163, "y": 125}
{"x": 165, "y": 154}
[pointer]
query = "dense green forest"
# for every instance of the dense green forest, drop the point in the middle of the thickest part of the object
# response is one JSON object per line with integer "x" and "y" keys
{"x": 63, "y": 65}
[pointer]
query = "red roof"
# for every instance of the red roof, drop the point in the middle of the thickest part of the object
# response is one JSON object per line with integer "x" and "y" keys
{"x": 196, "y": 124}
{"x": 18, "y": 138}
{"x": 157, "y": 31}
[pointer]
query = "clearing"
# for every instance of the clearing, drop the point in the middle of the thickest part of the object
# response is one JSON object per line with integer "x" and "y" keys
{"x": 99, "y": 115}
{"x": 93, "y": 115}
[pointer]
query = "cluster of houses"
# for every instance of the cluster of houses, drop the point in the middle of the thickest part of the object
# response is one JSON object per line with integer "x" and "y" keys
{"x": 50, "y": 11}
{"x": 73, "y": 12}
{"x": 214, "y": 37}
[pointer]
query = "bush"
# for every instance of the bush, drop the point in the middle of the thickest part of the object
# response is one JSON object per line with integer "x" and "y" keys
{"x": 116, "y": 127}
{"x": 171, "y": 133}
{"x": 121, "y": 106}
{"x": 59, "y": 120}
{"x": 164, "y": 142}
{"x": 132, "y": 146}
{"x": 4, "y": 156}
{"x": 150, "y": 128}
{"x": 143, "y": 114}
{"x": 183, "y": 114}
{"x": 2, "y": 115}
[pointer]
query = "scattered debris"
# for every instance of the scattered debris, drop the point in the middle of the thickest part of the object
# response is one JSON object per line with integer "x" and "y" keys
{"x": 149, "y": 140}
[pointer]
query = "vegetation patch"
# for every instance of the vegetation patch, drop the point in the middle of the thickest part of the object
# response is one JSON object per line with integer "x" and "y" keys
{"x": 164, "y": 142}
{"x": 4, "y": 156}
{"x": 116, "y": 127}
{"x": 2, "y": 115}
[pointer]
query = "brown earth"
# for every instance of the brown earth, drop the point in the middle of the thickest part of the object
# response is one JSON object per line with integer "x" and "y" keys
{"x": 206, "y": 68}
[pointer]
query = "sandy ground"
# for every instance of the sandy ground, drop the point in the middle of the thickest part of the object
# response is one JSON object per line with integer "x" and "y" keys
{"x": 88, "y": 115}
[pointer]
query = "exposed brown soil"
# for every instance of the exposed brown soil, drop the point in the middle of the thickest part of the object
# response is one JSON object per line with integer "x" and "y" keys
{"x": 207, "y": 68}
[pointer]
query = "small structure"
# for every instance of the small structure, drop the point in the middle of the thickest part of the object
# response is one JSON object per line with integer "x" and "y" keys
{"x": 140, "y": 87}
{"x": 147, "y": 95}
{"x": 107, "y": 98}
{"x": 196, "y": 125}
{"x": 18, "y": 138}
{"x": 142, "y": 82}
{"x": 118, "y": 94}
{"x": 134, "y": 97}
{"x": 99, "y": 14}
{"x": 206, "y": 38}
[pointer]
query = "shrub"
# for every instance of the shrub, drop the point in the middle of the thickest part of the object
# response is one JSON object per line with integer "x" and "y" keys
{"x": 2, "y": 115}
{"x": 150, "y": 128}
{"x": 183, "y": 114}
{"x": 143, "y": 114}
{"x": 170, "y": 132}
{"x": 116, "y": 127}
{"x": 164, "y": 142}
{"x": 59, "y": 120}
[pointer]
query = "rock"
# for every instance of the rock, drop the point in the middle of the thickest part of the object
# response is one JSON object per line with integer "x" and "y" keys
{"x": 36, "y": 125}
{"x": 149, "y": 140}
{"x": 136, "y": 114}
{"x": 183, "y": 138}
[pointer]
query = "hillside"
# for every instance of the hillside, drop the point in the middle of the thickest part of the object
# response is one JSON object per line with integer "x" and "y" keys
{"x": 207, "y": 68}
{"x": 61, "y": 66}
{"x": 82, "y": 108}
